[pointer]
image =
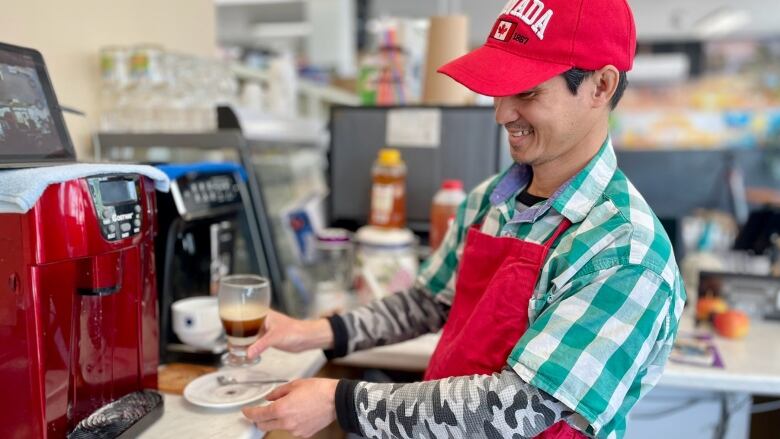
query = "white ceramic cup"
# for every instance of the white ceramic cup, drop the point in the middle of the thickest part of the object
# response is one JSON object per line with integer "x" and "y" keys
{"x": 196, "y": 322}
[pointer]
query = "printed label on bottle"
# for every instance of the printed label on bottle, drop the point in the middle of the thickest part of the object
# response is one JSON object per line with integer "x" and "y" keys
{"x": 382, "y": 197}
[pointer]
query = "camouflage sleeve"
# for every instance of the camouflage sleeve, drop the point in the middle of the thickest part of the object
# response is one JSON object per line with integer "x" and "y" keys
{"x": 501, "y": 405}
{"x": 397, "y": 317}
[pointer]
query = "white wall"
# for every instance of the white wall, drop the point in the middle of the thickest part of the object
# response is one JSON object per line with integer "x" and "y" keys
{"x": 333, "y": 35}
{"x": 69, "y": 34}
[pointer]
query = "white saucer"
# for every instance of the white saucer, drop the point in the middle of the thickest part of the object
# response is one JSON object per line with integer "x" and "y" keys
{"x": 205, "y": 391}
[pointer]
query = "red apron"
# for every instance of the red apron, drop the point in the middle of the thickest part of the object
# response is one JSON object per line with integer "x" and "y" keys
{"x": 490, "y": 313}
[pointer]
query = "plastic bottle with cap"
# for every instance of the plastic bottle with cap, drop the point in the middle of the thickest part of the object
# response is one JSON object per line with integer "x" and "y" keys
{"x": 388, "y": 190}
{"x": 443, "y": 209}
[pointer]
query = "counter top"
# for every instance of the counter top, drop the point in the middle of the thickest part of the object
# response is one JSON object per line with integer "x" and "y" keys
{"x": 751, "y": 364}
{"x": 182, "y": 419}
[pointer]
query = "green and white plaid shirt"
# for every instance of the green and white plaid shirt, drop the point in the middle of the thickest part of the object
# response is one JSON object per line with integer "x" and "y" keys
{"x": 606, "y": 308}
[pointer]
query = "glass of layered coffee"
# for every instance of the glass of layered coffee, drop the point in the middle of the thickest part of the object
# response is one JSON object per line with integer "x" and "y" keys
{"x": 244, "y": 300}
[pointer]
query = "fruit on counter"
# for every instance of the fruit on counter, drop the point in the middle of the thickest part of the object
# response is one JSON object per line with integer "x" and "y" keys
{"x": 709, "y": 305}
{"x": 732, "y": 324}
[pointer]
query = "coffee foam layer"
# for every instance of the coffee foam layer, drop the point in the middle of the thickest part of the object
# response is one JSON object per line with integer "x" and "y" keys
{"x": 238, "y": 312}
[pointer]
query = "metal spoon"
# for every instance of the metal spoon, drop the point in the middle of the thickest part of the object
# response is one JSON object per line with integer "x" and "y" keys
{"x": 223, "y": 380}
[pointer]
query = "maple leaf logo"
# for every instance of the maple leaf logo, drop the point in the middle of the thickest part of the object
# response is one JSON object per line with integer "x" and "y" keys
{"x": 502, "y": 30}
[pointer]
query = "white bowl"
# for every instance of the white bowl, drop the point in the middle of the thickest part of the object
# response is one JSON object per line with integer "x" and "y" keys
{"x": 196, "y": 321}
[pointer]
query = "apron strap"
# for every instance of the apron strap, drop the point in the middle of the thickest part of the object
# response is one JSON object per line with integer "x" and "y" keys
{"x": 562, "y": 227}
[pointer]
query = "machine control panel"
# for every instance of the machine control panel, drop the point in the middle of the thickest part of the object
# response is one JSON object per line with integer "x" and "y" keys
{"x": 117, "y": 205}
{"x": 198, "y": 195}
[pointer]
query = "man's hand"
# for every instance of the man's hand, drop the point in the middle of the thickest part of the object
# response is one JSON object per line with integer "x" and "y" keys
{"x": 302, "y": 407}
{"x": 292, "y": 335}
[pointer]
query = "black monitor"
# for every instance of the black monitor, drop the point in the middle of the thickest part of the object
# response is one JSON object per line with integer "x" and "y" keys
{"x": 32, "y": 130}
{"x": 467, "y": 146}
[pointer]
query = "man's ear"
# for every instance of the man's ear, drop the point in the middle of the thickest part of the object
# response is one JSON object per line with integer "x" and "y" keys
{"x": 605, "y": 81}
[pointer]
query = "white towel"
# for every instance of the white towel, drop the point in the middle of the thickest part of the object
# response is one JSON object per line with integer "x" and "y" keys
{"x": 21, "y": 188}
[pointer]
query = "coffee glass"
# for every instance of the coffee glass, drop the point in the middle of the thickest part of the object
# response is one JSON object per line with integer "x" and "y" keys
{"x": 244, "y": 300}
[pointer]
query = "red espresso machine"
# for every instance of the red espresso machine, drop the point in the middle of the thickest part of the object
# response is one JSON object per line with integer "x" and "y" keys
{"x": 78, "y": 297}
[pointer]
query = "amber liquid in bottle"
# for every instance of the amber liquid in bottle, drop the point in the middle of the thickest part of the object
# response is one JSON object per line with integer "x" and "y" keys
{"x": 443, "y": 210}
{"x": 441, "y": 218}
{"x": 388, "y": 193}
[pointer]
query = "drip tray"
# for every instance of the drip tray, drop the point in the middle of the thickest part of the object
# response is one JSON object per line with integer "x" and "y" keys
{"x": 124, "y": 418}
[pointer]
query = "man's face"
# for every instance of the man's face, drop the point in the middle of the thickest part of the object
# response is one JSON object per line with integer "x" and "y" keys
{"x": 546, "y": 122}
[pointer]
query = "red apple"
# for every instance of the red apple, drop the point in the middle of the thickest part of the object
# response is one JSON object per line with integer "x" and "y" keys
{"x": 708, "y": 305}
{"x": 732, "y": 324}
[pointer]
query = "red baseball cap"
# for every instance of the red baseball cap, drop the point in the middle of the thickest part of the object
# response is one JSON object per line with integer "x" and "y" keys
{"x": 535, "y": 40}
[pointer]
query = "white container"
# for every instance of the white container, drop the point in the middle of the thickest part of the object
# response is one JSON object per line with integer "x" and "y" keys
{"x": 386, "y": 261}
{"x": 196, "y": 322}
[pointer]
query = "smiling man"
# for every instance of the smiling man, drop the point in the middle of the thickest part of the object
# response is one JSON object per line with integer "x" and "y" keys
{"x": 556, "y": 287}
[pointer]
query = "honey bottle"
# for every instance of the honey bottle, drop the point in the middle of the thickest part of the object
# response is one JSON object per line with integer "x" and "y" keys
{"x": 388, "y": 190}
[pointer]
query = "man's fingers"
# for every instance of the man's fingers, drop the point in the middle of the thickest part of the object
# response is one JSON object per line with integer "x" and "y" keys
{"x": 268, "y": 336}
{"x": 260, "y": 413}
{"x": 279, "y": 392}
{"x": 265, "y": 426}
{"x": 263, "y": 343}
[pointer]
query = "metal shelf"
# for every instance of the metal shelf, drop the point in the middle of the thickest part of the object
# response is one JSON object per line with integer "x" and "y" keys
{"x": 208, "y": 140}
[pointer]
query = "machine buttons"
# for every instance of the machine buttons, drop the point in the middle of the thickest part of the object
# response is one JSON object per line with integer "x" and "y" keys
{"x": 107, "y": 213}
{"x": 137, "y": 222}
{"x": 138, "y": 208}
{"x": 125, "y": 227}
{"x": 112, "y": 227}
{"x": 202, "y": 194}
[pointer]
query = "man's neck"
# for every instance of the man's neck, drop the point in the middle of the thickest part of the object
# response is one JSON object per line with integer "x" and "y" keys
{"x": 549, "y": 176}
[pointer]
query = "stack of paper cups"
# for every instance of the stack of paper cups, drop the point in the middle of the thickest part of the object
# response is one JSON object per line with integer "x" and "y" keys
{"x": 447, "y": 40}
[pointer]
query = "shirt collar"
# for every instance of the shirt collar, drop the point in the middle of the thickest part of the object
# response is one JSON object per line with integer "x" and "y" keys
{"x": 574, "y": 199}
